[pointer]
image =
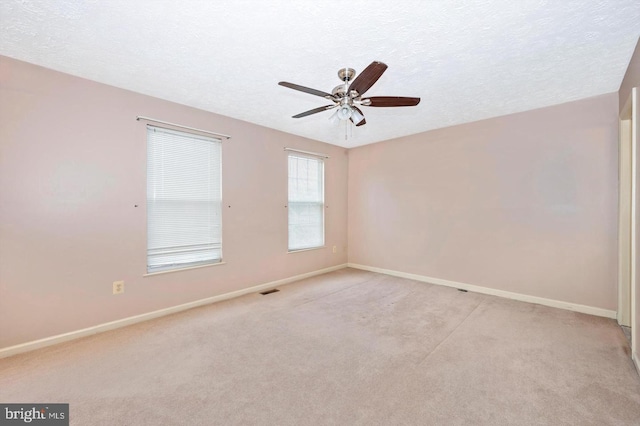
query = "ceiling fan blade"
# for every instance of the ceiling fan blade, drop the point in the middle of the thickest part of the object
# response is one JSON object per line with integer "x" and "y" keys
{"x": 306, "y": 90}
{"x": 368, "y": 77}
{"x": 390, "y": 101}
{"x": 357, "y": 117}
{"x": 314, "y": 111}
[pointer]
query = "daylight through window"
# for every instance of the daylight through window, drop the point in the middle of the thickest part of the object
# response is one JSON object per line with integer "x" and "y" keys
{"x": 306, "y": 202}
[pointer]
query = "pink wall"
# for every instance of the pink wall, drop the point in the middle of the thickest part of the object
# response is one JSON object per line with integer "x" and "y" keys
{"x": 525, "y": 203}
{"x": 72, "y": 167}
{"x": 631, "y": 77}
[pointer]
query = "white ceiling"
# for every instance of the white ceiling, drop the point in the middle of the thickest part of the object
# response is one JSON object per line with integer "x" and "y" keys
{"x": 467, "y": 60}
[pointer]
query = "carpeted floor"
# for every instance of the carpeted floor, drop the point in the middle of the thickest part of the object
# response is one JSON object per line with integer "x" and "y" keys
{"x": 627, "y": 333}
{"x": 345, "y": 348}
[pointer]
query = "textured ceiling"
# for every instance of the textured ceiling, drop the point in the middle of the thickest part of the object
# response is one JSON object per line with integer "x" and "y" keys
{"x": 467, "y": 60}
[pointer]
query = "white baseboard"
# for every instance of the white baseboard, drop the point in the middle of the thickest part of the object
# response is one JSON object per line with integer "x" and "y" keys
{"x": 494, "y": 292}
{"x": 53, "y": 340}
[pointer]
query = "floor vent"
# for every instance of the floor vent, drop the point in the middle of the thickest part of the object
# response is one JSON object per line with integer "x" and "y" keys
{"x": 264, "y": 293}
{"x": 462, "y": 290}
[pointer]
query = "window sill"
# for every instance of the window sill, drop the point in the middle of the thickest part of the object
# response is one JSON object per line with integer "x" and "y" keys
{"x": 169, "y": 271}
{"x": 306, "y": 249}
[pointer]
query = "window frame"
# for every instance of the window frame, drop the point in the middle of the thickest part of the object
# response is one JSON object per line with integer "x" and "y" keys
{"x": 321, "y": 203}
{"x": 216, "y": 242}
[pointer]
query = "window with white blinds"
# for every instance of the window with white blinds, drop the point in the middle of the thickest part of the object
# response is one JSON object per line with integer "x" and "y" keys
{"x": 184, "y": 197}
{"x": 306, "y": 202}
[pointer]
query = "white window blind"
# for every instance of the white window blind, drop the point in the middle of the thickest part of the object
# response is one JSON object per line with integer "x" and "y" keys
{"x": 306, "y": 202}
{"x": 184, "y": 197}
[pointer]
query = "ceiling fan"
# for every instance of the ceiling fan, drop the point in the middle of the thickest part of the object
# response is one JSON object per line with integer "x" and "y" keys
{"x": 349, "y": 95}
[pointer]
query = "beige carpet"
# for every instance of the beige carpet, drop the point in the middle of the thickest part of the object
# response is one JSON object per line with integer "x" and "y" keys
{"x": 345, "y": 348}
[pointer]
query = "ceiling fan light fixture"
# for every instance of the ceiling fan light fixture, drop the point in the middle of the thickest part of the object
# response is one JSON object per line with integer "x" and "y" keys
{"x": 356, "y": 116}
{"x": 344, "y": 112}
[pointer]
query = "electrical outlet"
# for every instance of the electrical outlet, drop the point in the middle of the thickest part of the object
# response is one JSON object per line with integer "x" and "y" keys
{"x": 118, "y": 287}
{"x": 335, "y": 249}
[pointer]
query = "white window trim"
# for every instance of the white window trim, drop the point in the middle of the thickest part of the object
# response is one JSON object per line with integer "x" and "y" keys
{"x": 187, "y": 268}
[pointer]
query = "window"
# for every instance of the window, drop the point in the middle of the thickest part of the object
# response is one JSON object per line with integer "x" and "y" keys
{"x": 306, "y": 202}
{"x": 184, "y": 197}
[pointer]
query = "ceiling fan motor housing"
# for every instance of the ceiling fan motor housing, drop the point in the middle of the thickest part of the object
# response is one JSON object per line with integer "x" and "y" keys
{"x": 339, "y": 91}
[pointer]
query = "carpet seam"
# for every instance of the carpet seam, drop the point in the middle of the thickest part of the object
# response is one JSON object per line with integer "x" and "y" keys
{"x": 332, "y": 293}
{"x": 450, "y": 334}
